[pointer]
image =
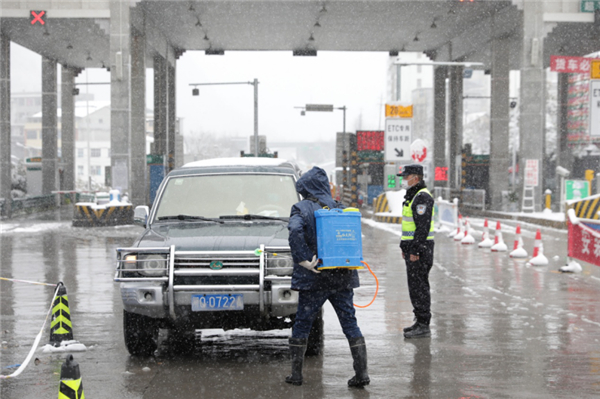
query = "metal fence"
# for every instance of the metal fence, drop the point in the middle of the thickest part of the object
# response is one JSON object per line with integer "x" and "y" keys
{"x": 443, "y": 192}
{"x": 474, "y": 198}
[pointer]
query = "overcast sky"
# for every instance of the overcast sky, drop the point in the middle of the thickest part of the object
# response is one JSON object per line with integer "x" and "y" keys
{"x": 356, "y": 80}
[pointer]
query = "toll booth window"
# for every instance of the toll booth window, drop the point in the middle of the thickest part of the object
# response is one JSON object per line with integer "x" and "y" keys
{"x": 217, "y": 195}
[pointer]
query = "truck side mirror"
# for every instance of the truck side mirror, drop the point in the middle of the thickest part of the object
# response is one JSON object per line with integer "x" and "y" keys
{"x": 140, "y": 215}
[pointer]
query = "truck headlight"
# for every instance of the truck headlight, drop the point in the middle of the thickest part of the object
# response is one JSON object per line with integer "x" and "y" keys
{"x": 152, "y": 264}
{"x": 281, "y": 264}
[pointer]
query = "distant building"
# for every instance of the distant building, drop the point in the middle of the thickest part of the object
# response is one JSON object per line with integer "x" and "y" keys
{"x": 22, "y": 106}
{"x": 404, "y": 79}
{"x": 92, "y": 139}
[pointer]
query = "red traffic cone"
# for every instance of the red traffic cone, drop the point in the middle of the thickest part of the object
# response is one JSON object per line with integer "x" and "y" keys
{"x": 486, "y": 241}
{"x": 539, "y": 259}
{"x": 462, "y": 229}
{"x": 518, "y": 250}
{"x": 538, "y": 251}
{"x": 499, "y": 245}
{"x": 536, "y": 245}
{"x": 468, "y": 238}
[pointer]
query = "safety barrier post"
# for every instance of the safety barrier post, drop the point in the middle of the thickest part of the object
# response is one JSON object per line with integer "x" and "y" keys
{"x": 70, "y": 386}
{"x": 61, "y": 328}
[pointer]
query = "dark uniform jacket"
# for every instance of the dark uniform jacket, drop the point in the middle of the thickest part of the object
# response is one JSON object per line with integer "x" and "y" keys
{"x": 313, "y": 185}
{"x": 419, "y": 245}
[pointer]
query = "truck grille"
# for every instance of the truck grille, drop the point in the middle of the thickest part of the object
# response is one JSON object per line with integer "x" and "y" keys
{"x": 204, "y": 262}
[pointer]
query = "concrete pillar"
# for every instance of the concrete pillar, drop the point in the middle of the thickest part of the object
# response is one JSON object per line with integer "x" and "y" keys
{"x": 456, "y": 126}
{"x": 499, "y": 121}
{"x": 160, "y": 106}
{"x": 120, "y": 112}
{"x": 49, "y": 132}
{"x": 565, "y": 157}
{"x": 171, "y": 115}
{"x": 5, "y": 164}
{"x": 138, "y": 119}
{"x": 67, "y": 105}
{"x": 439, "y": 121}
{"x": 532, "y": 98}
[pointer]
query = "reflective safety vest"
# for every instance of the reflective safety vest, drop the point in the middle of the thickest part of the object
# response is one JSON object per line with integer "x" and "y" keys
{"x": 408, "y": 223}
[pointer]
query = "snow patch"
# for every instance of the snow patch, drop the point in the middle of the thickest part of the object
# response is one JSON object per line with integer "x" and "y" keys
{"x": 65, "y": 346}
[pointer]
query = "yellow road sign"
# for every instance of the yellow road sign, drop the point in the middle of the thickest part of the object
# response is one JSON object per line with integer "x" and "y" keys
{"x": 595, "y": 69}
{"x": 398, "y": 111}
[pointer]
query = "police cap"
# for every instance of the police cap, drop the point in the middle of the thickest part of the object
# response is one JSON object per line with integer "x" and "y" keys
{"x": 413, "y": 169}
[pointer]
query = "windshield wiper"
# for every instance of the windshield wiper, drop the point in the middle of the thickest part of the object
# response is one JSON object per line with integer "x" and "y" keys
{"x": 251, "y": 217}
{"x": 189, "y": 217}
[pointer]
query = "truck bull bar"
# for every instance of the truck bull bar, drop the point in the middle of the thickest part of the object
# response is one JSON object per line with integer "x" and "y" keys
{"x": 196, "y": 263}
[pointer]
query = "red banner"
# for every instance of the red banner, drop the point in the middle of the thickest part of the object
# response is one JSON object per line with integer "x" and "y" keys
{"x": 560, "y": 63}
{"x": 584, "y": 243}
{"x": 369, "y": 140}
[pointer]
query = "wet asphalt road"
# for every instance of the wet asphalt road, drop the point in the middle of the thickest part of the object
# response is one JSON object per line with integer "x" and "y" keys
{"x": 500, "y": 329}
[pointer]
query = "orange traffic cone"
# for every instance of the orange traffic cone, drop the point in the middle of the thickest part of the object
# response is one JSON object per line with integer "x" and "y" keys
{"x": 518, "y": 250}
{"x": 456, "y": 231}
{"x": 499, "y": 245}
{"x": 538, "y": 251}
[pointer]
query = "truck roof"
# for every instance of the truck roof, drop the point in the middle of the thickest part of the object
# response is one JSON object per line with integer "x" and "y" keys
{"x": 241, "y": 164}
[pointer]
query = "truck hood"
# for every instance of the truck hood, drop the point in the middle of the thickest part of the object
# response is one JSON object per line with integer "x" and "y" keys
{"x": 207, "y": 236}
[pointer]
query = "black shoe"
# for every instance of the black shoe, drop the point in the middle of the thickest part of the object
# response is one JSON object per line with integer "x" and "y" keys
{"x": 419, "y": 331}
{"x": 358, "y": 348}
{"x": 297, "y": 350}
{"x": 407, "y": 329}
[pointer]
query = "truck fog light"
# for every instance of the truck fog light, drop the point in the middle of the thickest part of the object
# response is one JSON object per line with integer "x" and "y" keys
{"x": 148, "y": 296}
{"x": 286, "y": 294}
{"x": 152, "y": 265}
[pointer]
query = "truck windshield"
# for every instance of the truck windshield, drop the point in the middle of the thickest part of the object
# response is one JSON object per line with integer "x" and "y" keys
{"x": 212, "y": 196}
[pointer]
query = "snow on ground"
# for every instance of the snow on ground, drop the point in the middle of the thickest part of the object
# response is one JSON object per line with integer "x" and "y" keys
{"x": 36, "y": 228}
{"x": 554, "y": 216}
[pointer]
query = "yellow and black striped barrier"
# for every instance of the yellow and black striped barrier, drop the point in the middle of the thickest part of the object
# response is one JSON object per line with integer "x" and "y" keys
{"x": 586, "y": 208}
{"x": 86, "y": 215}
{"x": 380, "y": 205}
{"x": 61, "y": 328}
{"x": 70, "y": 386}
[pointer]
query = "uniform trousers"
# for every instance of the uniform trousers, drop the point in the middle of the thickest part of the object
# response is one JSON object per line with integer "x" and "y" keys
{"x": 309, "y": 304}
{"x": 417, "y": 273}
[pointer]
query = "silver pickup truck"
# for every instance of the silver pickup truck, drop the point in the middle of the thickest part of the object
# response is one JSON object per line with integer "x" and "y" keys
{"x": 214, "y": 254}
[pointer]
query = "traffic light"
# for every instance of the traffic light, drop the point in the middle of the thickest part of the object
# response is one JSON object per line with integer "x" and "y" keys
{"x": 391, "y": 181}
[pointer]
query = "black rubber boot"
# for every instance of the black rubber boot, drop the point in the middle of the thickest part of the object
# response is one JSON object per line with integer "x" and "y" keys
{"x": 421, "y": 330}
{"x": 297, "y": 350}
{"x": 407, "y": 329}
{"x": 359, "y": 355}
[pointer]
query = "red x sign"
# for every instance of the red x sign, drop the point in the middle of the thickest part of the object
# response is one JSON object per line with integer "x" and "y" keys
{"x": 37, "y": 16}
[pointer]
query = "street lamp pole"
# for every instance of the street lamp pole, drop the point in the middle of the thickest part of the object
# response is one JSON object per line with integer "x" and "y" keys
{"x": 254, "y": 83}
{"x": 344, "y": 131}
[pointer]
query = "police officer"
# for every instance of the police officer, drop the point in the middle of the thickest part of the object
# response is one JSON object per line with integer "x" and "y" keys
{"x": 417, "y": 247}
{"x": 314, "y": 286}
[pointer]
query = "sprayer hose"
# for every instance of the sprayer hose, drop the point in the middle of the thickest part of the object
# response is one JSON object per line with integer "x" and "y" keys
{"x": 376, "y": 287}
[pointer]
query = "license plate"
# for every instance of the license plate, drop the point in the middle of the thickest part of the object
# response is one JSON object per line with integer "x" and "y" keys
{"x": 213, "y": 302}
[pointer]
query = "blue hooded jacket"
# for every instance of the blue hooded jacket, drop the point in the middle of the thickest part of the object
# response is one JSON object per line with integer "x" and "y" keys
{"x": 303, "y": 236}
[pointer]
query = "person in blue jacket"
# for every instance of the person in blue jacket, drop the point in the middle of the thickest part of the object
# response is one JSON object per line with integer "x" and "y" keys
{"x": 315, "y": 287}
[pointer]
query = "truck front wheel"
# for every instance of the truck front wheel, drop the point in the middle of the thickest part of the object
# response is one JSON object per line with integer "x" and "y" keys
{"x": 140, "y": 333}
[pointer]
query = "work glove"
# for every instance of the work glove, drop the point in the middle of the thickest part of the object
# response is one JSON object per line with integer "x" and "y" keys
{"x": 310, "y": 264}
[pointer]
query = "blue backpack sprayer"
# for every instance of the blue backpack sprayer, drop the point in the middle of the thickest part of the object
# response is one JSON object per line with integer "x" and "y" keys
{"x": 339, "y": 241}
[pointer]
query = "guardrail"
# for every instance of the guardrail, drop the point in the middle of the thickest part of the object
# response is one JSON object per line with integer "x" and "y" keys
{"x": 25, "y": 205}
